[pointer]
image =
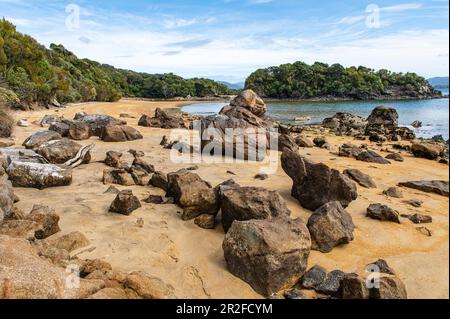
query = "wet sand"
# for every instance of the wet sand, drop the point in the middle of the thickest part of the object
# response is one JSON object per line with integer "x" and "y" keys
{"x": 191, "y": 258}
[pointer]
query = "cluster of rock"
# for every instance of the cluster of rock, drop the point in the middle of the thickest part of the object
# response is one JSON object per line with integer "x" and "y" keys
{"x": 84, "y": 126}
{"x": 167, "y": 119}
{"x": 380, "y": 126}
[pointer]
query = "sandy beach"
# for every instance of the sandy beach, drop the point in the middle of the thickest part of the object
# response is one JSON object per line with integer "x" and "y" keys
{"x": 191, "y": 259}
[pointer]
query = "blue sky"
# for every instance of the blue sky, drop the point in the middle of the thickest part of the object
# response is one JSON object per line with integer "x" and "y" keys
{"x": 228, "y": 39}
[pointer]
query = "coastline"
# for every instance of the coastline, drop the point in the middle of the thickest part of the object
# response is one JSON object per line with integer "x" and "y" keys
{"x": 191, "y": 259}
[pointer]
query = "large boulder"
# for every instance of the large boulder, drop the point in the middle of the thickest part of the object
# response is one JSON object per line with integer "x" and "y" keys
{"x": 249, "y": 100}
{"x": 35, "y": 175}
{"x": 246, "y": 203}
{"x": 163, "y": 119}
{"x": 330, "y": 226}
{"x": 61, "y": 151}
{"x": 270, "y": 255}
{"x": 193, "y": 194}
{"x": 437, "y": 187}
{"x": 345, "y": 123}
{"x": 97, "y": 122}
{"x": 250, "y": 138}
{"x": 362, "y": 179}
{"x": 314, "y": 185}
{"x": 383, "y": 120}
{"x": 120, "y": 133}
{"x": 429, "y": 151}
{"x": 372, "y": 157}
{"x": 125, "y": 203}
{"x": 39, "y": 138}
{"x": 390, "y": 287}
{"x": 21, "y": 155}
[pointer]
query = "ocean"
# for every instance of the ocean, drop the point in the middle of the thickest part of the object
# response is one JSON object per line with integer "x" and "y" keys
{"x": 434, "y": 114}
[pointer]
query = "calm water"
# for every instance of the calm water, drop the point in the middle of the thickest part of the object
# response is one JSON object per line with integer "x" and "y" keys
{"x": 433, "y": 113}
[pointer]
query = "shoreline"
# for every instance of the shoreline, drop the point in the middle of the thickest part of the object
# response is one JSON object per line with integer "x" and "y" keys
{"x": 191, "y": 259}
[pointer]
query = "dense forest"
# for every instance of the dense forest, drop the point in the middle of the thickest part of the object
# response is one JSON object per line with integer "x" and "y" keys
{"x": 320, "y": 80}
{"x": 31, "y": 73}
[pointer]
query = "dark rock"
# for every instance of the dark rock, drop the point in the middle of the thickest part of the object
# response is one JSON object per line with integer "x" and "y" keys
{"x": 113, "y": 159}
{"x": 270, "y": 255}
{"x": 419, "y": 218}
{"x": 125, "y": 203}
{"x": 294, "y": 294}
{"x": 317, "y": 184}
{"x": 377, "y": 138}
{"x": 205, "y": 221}
{"x": 154, "y": 199}
{"x": 362, "y": 179}
{"x": 330, "y": 286}
{"x": 426, "y": 150}
{"x": 61, "y": 151}
{"x": 349, "y": 150}
{"x": 416, "y": 124}
{"x": 381, "y": 266}
{"x": 383, "y": 119}
{"x": 140, "y": 176}
{"x": 390, "y": 288}
{"x": 246, "y": 203}
{"x": 353, "y": 287}
{"x": 286, "y": 141}
{"x": 163, "y": 119}
{"x": 139, "y": 162}
{"x": 344, "y": 123}
{"x": 438, "y": 187}
{"x": 395, "y": 157}
{"x": 330, "y": 226}
{"x": 47, "y": 220}
{"x": 117, "y": 176}
{"x": 313, "y": 277}
{"x": 193, "y": 194}
{"x": 372, "y": 157}
{"x": 79, "y": 115}
{"x": 394, "y": 192}
{"x": 39, "y": 138}
{"x": 262, "y": 177}
{"x": 383, "y": 213}
{"x": 98, "y": 122}
{"x": 320, "y": 141}
{"x": 136, "y": 154}
{"x": 303, "y": 141}
{"x": 120, "y": 133}
{"x": 250, "y": 101}
{"x": 159, "y": 180}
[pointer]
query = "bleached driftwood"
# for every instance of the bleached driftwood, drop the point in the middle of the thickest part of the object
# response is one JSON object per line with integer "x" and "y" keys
{"x": 79, "y": 158}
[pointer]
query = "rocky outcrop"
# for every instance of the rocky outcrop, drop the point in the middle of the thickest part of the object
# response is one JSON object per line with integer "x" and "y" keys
{"x": 270, "y": 255}
{"x": 437, "y": 187}
{"x": 249, "y": 100}
{"x": 330, "y": 226}
{"x": 382, "y": 120}
{"x": 383, "y": 213}
{"x": 246, "y": 203}
{"x": 35, "y": 175}
{"x": 120, "y": 133}
{"x": 125, "y": 203}
{"x": 163, "y": 119}
{"x": 303, "y": 141}
{"x": 39, "y": 138}
{"x": 315, "y": 185}
{"x": 193, "y": 194}
{"x": 61, "y": 151}
{"x": 372, "y": 157}
{"x": 429, "y": 151}
{"x": 362, "y": 179}
{"x": 345, "y": 123}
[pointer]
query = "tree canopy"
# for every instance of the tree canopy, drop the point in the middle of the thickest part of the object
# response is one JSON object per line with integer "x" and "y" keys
{"x": 300, "y": 80}
{"x": 40, "y": 75}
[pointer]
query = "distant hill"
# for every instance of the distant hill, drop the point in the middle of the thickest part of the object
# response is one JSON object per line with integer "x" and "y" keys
{"x": 439, "y": 82}
{"x": 233, "y": 86}
{"x": 299, "y": 81}
{"x": 34, "y": 74}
